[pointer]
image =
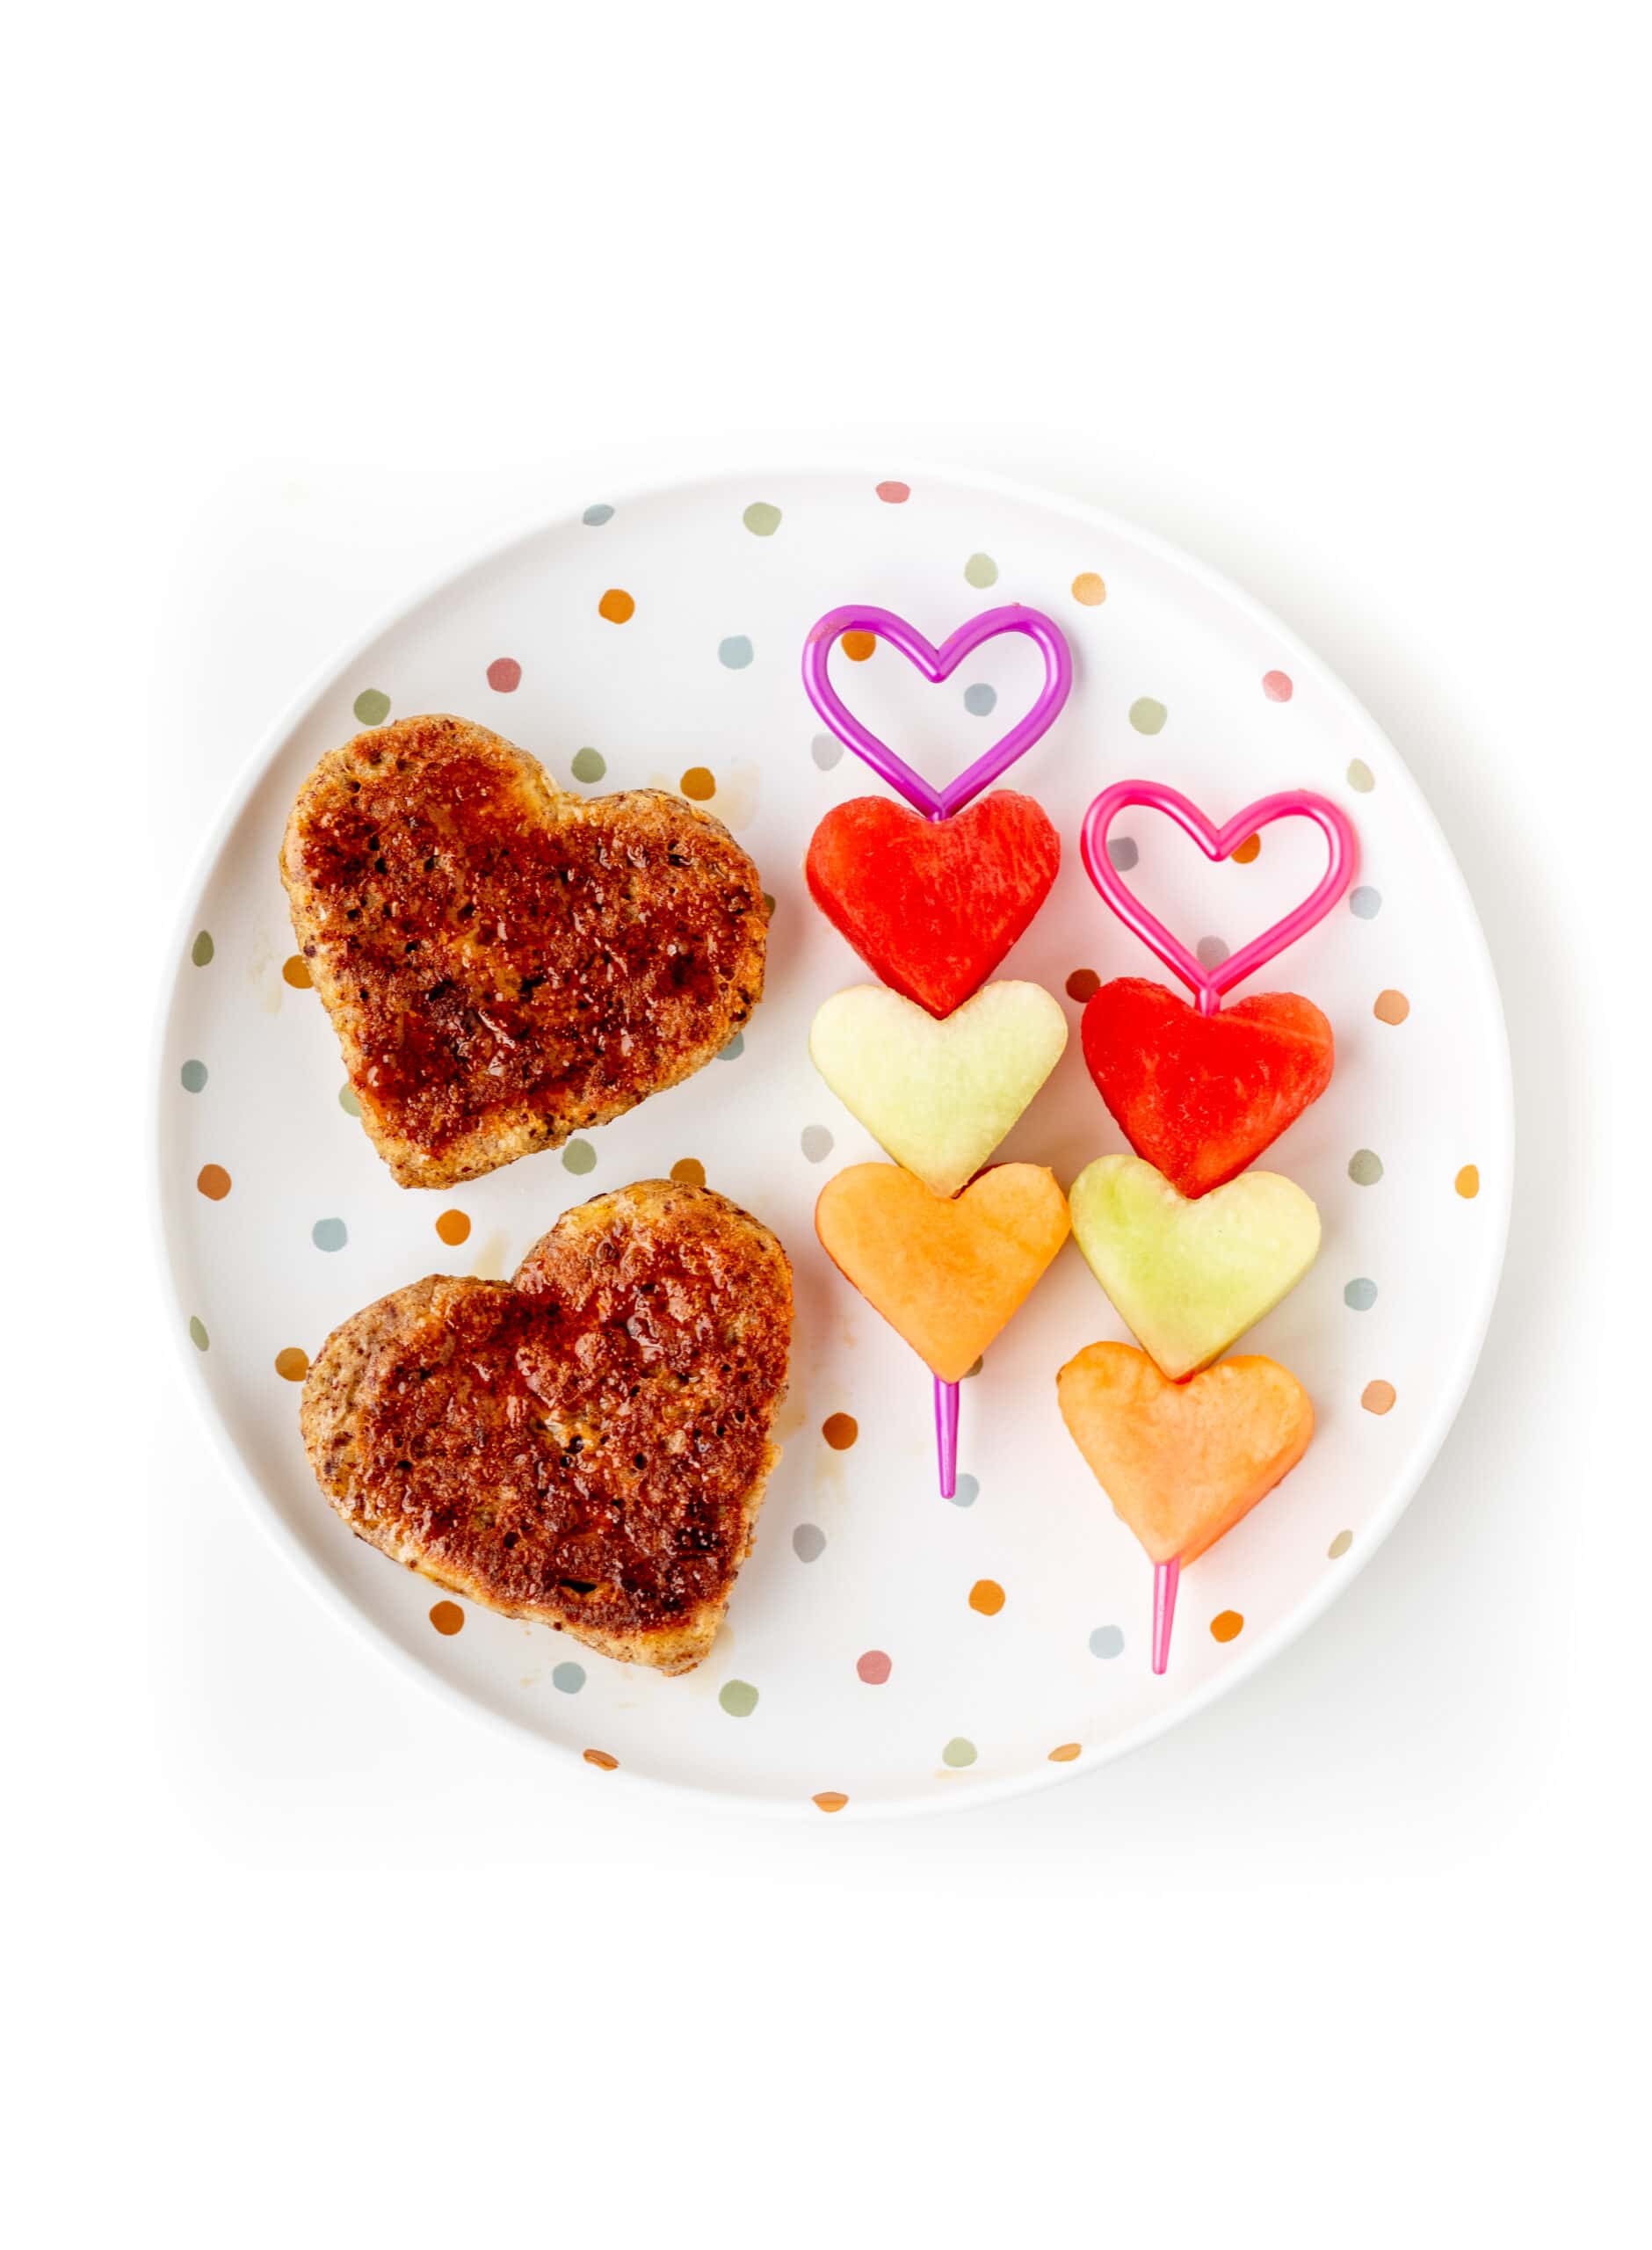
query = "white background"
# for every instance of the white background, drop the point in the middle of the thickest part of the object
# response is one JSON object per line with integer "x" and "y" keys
{"x": 307, "y": 305}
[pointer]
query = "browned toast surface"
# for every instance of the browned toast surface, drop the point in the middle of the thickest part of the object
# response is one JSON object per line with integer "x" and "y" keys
{"x": 586, "y": 1445}
{"x": 505, "y": 963}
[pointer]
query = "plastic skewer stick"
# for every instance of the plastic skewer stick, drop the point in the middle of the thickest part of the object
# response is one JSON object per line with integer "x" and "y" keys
{"x": 1166, "y": 1577}
{"x": 946, "y": 1436}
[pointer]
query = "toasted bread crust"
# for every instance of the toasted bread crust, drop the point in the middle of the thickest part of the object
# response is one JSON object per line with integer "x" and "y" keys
{"x": 506, "y": 963}
{"x": 586, "y": 1445}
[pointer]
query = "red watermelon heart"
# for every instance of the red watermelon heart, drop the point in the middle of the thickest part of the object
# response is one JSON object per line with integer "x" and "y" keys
{"x": 1201, "y": 1097}
{"x": 932, "y": 906}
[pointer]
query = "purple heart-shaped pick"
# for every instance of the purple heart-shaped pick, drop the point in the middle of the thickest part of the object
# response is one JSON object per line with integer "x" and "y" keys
{"x": 938, "y": 664}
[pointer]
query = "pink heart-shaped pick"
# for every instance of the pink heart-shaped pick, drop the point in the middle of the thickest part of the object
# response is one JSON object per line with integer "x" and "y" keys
{"x": 936, "y": 664}
{"x": 1208, "y": 985}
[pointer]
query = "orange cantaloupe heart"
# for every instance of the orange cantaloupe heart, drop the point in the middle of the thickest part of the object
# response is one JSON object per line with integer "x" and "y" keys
{"x": 1183, "y": 1461}
{"x": 945, "y": 1275}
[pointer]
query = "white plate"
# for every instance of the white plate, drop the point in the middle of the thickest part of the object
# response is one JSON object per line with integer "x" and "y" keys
{"x": 1178, "y": 677}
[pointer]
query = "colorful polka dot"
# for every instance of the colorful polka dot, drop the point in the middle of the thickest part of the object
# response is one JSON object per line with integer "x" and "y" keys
{"x": 568, "y": 1678}
{"x": 1339, "y": 1546}
{"x": 840, "y": 1432}
{"x": 198, "y": 1335}
{"x": 981, "y": 700}
{"x": 986, "y": 1597}
{"x": 1212, "y": 952}
{"x": 214, "y": 1182}
{"x": 1360, "y": 1295}
{"x": 1227, "y": 1625}
{"x": 1064, "y": 1753}
{"x": 894, "y": 492}
{"x": 738, "y": 1698}
{"x": 452, "y": 1228}
{"x": 1276, "y": 685}
{"x": 579, "y": 1158}
{"x": 1122, "y": 851}
{"x": 600, "y": 1758}
{"x": 815, "y": 1143}
{"x": 292, "y": 1365}
{"x": 1082, "y": 985}
{"x": 874, "y": 1667}
{"x": 959, "y": 1752}
{"x": 858, "y": 646}
{"x": 372, "y": 707}
{"x": 448, "y": 1617}
{"x": 981, "y": 570}
{"x": 1365, "y": 902}
{"x": 599, "y": 512}
{"x": 966, "y": 1491}
{"x": 1148, "y": 714}
{"x": 295, "y": 972}
{"x": 736, "y": 652}
{"x": 193, "y": 1077}
{"x": 970, "y": 1371}
{"x": 1242, "y": 854}
{"x": 1391, "y": 1007}
{"x": 689, "y": 1172}
{"x": 831, "y": 1800}
{"x": 1467, "y": 1182}
{"x": 825, "y": 750}
{"x": 1360, "y": 776}
{"x": 617, "y": 606}
{"x": 504, "y": 675}
{"x": 589, "y": 764}
{"x": 330, "y": 1234}
{"x": 762, "y": 518}
{"x": 699, "y": 782}
{"x": 201, "y": 952}
{"x": 1107, "y": 1641}
{"x": 1377, "y": 1397}
{"x": 808, "y": 1543}
{"x": 735, "y": 1049}
{"x": 348, "y": 1101}
{"x": 1364, "y": 1167}
{"x": 1089, "y": 587}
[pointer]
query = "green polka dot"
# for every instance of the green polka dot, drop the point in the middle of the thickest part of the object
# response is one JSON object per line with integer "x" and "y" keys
{"x": 347, "y": 1100}
{"x": 738, "y": 1698}
{"x": 981, "y": 570}
{"x": 1360, "y": 776}
{"x": 1340, "y": 1545}
{"x": 959, "y": 1752}
{"x": 197, "y": 1332}
{"x": 201, "y": 952}
{"x": 193, "y": 1077}
{"x": 588, "y": 766}
{"x": 763, "y": 518}
{"x": 1364, "y": 1167}
{"x": 1148, "y": 714}
{"x": 579, "y": 1156}
{"x": 735, "y": 1049}
{"x": 768, "y": 905}
{"x": 372, "y": 707}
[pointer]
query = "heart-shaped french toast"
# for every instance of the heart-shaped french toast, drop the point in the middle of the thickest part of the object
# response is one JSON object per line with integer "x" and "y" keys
{"x": 585, "y": 1445}
{"x": 506, "y": 963}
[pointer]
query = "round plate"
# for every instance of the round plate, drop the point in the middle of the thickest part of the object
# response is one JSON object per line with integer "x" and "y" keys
{"x": 885, "y": 1649}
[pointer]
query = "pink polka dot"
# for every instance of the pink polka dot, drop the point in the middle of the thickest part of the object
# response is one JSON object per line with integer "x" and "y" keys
{"x": 874, "y": 1668}
{"x": 895, "y": 493}
{"x": 1276, "y": 685}
{"x": 505, "y": 673}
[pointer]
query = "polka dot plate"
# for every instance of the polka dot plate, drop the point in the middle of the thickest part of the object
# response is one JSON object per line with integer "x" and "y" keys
{"x": 886, "y": 1649}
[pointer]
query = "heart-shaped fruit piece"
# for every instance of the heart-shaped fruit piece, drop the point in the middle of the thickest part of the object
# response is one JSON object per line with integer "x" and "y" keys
{"x": 946, "y": 1276}
{"x": 1183, "y": 1461}
{"x": 1189, "y": 1278}
{"x": 932, "y": 906}
{"x": 586, "y": 1445}
{"x": 940, "y": 1097}
{"x": 1201, "y": 1097}
{"x": 505, "y": 963}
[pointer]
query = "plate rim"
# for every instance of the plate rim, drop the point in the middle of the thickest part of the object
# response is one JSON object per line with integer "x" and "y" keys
{"x": 548, "y": 518}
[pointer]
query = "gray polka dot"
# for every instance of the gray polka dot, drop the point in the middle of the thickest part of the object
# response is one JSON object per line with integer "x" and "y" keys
{"x": 1122, "y": 850}
{"x": 736, "y": 652}
{"x": 570, "y": 1678}
{"x": 825, "y": 750}
{"x": 1106, "y": 1641}
{"x": 1361, "y": 1296}
{"x": 1212, "y": 952}
{"x": 979, "y": 700}
{"x": 599, "y": 512}
{"x": 967, "y": 1493}
{"x": 1365, "y": 903}
{"x": 193, "y": 1077}
{"x": 579, "y": 1156}
{"x": 808, "y": 1543}
{"x": 815, "y": 1143}
{"x": 330, "y": 1234}
{"x": 1364, "y": 1167}
{"x": 736, "y": 1048}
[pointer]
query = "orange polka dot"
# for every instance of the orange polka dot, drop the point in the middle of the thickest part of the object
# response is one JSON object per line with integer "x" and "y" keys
{"x": 292, "y": 1365}
{"x": 1082, "y": 985}
{"x": 616, "y": 606}
{"x": 840, "y": 1432}
{"x": 689, "y": 1172}
{"x": 699, "y": 782}
{"x": 453, "y": 1227}
{"x": 214, "y": 1182}
{"x": 601, "y": 1758}
{"x": 448, "y": 1617}
{"x": 1377, "y": 1397}
{"x": 858, "y": 646}
{"x": 296, "y": 972}
{"x": 1064, "y": 1753}
{"x": 1468, "y": 1181}
{"x": 1228, "y": 1626}
{"x": 1090, "y": 588}
{"x": 1251, "y": 849}
{"x": 830, "y": 1800}
{"x": 987, "y": 1596}
{"x": 1391, "y": 1007}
